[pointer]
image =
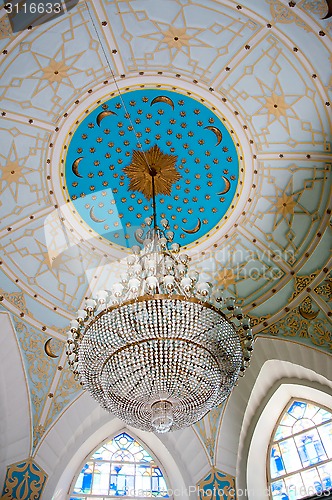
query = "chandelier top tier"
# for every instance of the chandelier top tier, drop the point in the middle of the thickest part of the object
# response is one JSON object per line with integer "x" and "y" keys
{"x": 185, "y": 133}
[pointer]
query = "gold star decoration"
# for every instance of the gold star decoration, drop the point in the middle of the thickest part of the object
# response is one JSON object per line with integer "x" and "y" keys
{"x": 143, "y": 164}
{"x": 176, "y": 37}
{"x": 285, "y": 204}
{"x": 276, "y": 105}
{"x": 14, "y": 172}
{"x": 225, "y": 278}
{"x": 55, "y": 71}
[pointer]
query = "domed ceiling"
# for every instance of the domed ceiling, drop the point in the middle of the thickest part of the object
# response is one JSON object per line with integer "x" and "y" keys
{"x": 233, "y": 98}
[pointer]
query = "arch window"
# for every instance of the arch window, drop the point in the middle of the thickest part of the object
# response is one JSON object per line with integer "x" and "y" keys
{"x": 121, "y": 467}
{"x": 300, "y": 454}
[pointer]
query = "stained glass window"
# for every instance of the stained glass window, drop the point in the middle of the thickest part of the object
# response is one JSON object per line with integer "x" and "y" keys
{"x": 300, "y": 454}
{"x": 121, "y": 467}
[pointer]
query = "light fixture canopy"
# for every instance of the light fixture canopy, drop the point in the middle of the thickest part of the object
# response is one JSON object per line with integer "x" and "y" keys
{"x": 161, "y": 348}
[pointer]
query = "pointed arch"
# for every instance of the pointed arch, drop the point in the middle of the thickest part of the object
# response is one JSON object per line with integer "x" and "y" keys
{"x": 121, "y": 466}
{"x": 300, "y": 452}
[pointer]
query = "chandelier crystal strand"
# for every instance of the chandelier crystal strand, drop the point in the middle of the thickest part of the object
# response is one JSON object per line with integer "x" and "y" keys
{"x": 160, "y": 349}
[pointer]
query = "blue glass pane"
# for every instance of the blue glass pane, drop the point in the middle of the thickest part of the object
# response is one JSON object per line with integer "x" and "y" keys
{"x": 297, "y": 409}
{"x": 156, "y": 471}
{"x": 84, "y": 481}
{"x": 78, "y": 485}
{"x": 100, "y": 483}
{"x": 289, "y": 455}
{"x": 325, "y": 473}
{"x": 312, "y": 481}
{"x": 325, "y": 432}
{"x": 278, "y": 491}
{"x": 123, "y": 440}
{"x": 282, "y": 432}
{"x": 322, "y": 416}
{"x": 276, "y": 463}
{"x": 311, "y": 410}
{"x": 294, "y": 486}
{"x": 310, "y": 448}
{"x": 113, "y": 485}
{"x": 302, "y": 424}
{"x": 86, "y": 484}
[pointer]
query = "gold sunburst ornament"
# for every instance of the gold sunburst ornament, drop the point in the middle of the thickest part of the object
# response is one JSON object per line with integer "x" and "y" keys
{"x": 152, "y": 163}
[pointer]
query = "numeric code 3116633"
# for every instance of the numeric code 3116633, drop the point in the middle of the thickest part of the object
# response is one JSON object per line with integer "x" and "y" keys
{"x": 33, "y": 7}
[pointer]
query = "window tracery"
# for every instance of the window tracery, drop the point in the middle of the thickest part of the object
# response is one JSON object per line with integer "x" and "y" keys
{"x": 300, "y": 453}
{"x": 120, "y": 467}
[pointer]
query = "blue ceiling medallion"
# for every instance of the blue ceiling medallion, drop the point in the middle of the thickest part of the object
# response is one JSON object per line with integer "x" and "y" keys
{"x": 195, "y": 156}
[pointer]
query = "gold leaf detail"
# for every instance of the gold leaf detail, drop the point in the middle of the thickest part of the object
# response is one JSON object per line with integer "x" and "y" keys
{"x": 144, "y": 163}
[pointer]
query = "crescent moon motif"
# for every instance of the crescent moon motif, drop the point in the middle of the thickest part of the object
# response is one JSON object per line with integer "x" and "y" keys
{"x": 329, "y": 11}
{"x": 93, "y": 217}
{"x": 48, "y": 349}
{"x": 163, "y": 98}
{"x": 217, "y": 133}
{"x": 227, "y": 186}
{"x": 196, "y": 228}
{"x": 103, "y": 115}
{"x": 308, "y": 314}
{"x": 75, "y": 165}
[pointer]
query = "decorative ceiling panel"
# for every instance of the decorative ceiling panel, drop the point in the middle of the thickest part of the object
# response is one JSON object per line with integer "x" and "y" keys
{"x": 40, "y": 369}
{"x": 184, "y": 38}
{"x": 60, "y": 282}
{"x": 320, "y": 257}
{"x": 243, "y": 269}
{"x": 319, "y": 10}
{"x": 282, "y": 107}
{"x": 287, "y": 214}
{"x": 45, "y": 72}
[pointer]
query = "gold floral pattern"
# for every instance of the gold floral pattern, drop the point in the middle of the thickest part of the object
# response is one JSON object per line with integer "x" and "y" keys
{"x": 217, "y": 486}
{"x": 5, "y": 28}
{"x": 24, "y": 481}
{"x": 17, "y": 299}
{"x": 314, "y": 331}
{"x": 283, "y": 14}
{"x": 325, "y": 289}
{"x": 207, "y": 430}
{"x": 301, "y": 282}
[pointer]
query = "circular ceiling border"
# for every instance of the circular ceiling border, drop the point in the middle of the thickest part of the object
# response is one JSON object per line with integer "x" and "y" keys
{"x": 91, "y": 100}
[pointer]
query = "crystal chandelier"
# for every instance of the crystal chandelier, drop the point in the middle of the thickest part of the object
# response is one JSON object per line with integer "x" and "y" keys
{"x": 161, "y": 348}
